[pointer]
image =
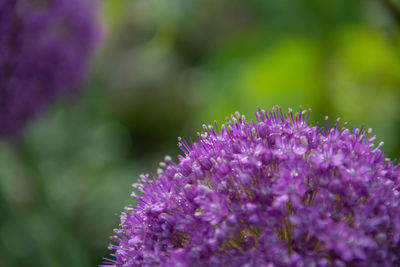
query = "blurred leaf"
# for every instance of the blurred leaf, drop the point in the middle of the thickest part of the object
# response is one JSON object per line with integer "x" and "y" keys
{"x": 114, "y": 11}
{"x": 365, "y": 83}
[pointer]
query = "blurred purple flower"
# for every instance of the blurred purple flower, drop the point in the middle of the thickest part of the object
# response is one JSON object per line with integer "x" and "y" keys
{"x": 44, "y": 50}
{"x": 275, "y": 192}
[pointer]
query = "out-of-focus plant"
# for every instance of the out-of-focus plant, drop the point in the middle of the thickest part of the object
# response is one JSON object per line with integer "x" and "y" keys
{"x": 45, "y": 50}
{"x": 45, "y": 47}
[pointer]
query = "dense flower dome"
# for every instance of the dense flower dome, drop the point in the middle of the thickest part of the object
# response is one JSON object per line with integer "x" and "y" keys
{"x": 44, "y": 50}
{"x": 274, "y": 192}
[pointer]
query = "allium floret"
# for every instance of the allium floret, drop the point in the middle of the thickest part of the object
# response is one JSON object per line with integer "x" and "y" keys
{"x": 44, "y": 50}
{"x": 271, "y": 192}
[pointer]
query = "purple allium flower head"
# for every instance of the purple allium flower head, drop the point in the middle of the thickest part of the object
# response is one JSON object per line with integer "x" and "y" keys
{"x": 44, "y": 51}
{"x": 275, "y": 192}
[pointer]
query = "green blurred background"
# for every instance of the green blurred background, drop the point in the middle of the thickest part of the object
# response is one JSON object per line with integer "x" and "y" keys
{"x": 165, "y": 68}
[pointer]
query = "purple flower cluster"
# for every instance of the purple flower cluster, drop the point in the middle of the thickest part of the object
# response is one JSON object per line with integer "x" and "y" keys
{"x": 276, "y": 192}
{"x": 44, "y": 50}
